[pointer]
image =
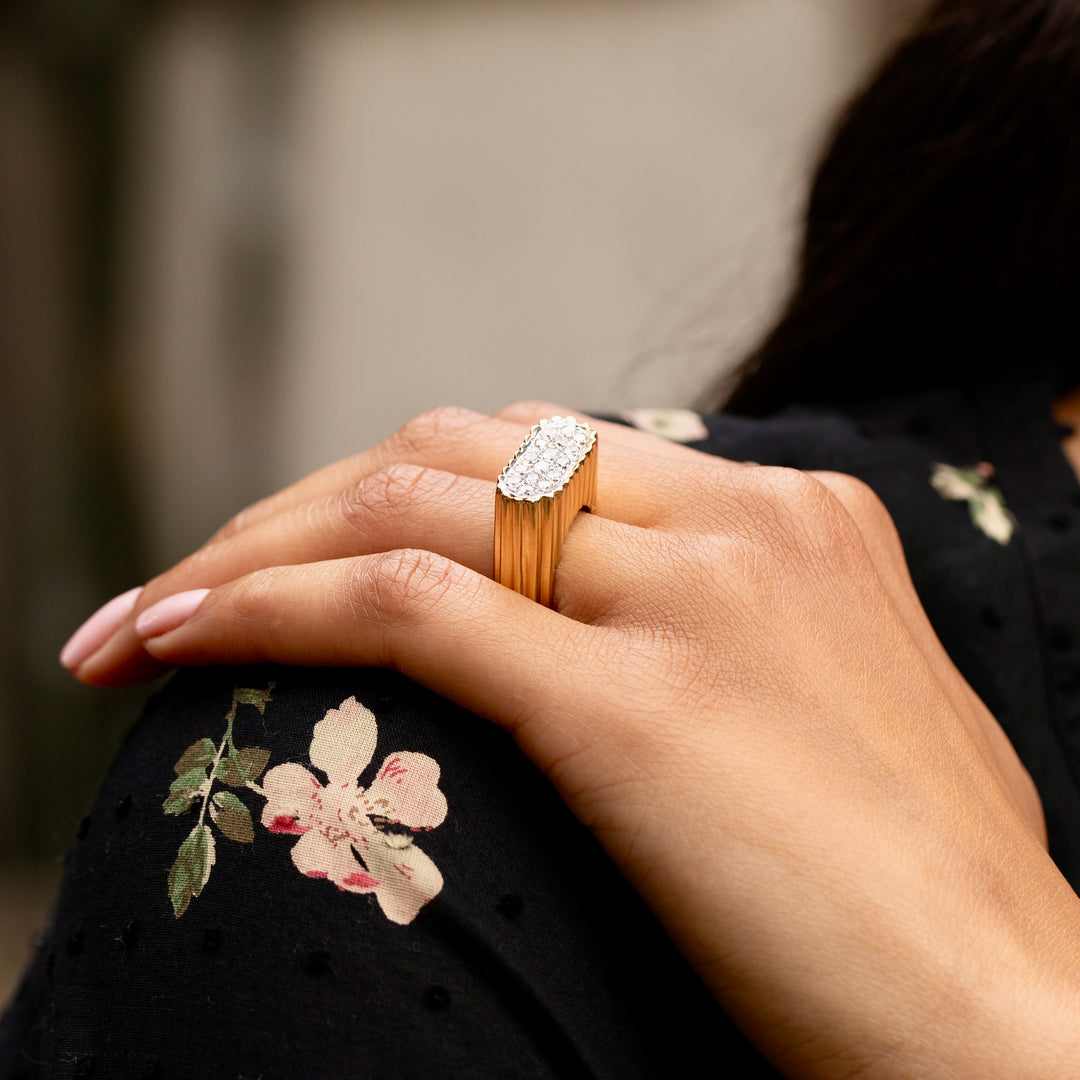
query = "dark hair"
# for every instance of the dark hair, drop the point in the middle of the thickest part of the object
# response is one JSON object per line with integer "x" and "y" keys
{"x": 942, "y": 237}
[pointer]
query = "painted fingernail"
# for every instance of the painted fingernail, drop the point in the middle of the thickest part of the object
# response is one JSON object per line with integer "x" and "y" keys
{"x": 98, "y": 628}
{"x": 169, "y": 613}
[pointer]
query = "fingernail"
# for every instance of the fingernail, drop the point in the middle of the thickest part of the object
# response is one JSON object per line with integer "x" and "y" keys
{"x": 98, "y": 628}
{"x": 169, "y": 613}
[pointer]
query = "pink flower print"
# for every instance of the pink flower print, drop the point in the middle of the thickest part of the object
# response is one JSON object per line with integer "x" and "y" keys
{"x": 342, "y": 826}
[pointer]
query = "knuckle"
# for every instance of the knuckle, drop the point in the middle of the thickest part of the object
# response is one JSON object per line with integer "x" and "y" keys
{"x": 526, "y": 412}
{"x": 431, "y": 429}
{"x": 810, "y": 521}
{"x": 793, "y": 489}
{"x": 254, "y": 613}
{"x": 392, "y": 493}
{"x": 251, "y": 599}
{"x": 844, "y": 485}
{"x": 240, "y": 521}
{"x": 385, "y": 493}
{"x": 859, "y": 500}
{"x": 198, "y": 567}
{"x": 193, "y": 571}
{"x": 406, "y": 583}
{"x": 871, "y": 519}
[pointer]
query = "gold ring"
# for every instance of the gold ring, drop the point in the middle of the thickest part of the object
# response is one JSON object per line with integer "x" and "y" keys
{"x": 537, "y": 496}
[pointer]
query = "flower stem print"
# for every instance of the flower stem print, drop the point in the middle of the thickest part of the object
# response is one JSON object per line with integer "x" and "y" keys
{"x": 201, "y": 765}
{"x": 359, "y": 837}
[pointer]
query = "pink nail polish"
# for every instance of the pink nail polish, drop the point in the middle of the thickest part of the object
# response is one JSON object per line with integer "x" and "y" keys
{"x": 98, "y": 628}
{"x": 169, "y": 613}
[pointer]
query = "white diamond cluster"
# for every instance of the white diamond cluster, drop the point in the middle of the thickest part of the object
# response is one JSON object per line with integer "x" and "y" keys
{"x": 547, "y": 459}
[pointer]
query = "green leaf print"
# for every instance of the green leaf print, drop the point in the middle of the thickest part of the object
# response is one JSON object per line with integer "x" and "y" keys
{"x": 258, "y": 698}
{"x": 184, "y": 791}
{"x": 232, "y": 817}
{"x": 177, "y": 804}
{"x": 202, "y": 764}
{"x": 191, "y": 871}
{"x": 197, "y": 756}
{"x": 242, "y": 765}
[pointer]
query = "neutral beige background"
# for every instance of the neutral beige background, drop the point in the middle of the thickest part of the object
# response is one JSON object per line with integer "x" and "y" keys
{"x": 586, "y": 200}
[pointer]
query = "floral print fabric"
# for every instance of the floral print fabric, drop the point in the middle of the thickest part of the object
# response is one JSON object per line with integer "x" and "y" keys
{"x": 678, "y": 425}
{"x": 985, "y": 502}
{"x": 360, "y": 838}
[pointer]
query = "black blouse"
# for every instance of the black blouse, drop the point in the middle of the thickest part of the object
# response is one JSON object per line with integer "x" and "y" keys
{"x": 334, "y": 873}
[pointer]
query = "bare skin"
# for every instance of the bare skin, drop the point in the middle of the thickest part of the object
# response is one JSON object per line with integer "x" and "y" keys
{"x": 1067, "y": 412}
{"x": 738, "y": 692}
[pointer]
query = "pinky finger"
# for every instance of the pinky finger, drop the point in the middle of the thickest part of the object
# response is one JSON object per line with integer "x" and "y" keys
{"x": 442, "y": 624}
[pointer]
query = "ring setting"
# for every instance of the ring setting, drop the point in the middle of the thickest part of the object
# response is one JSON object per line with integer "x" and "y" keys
{"x": 538, "y": 494}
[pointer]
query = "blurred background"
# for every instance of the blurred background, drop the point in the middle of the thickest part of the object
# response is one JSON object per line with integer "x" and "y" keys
{"x": 240, "y": 240}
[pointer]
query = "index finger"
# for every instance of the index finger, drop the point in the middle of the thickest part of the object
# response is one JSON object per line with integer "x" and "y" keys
{"x": 452, "y": 439}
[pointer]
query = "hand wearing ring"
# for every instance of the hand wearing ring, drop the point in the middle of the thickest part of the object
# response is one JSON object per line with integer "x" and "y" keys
{"x": 732, "y": 713}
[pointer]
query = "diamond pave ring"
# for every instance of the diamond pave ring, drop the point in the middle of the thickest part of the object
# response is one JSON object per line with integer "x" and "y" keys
{"x": 538, "y": 494}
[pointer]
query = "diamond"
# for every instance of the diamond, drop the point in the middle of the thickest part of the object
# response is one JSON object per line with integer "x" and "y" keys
{"x": 547, "y": 459}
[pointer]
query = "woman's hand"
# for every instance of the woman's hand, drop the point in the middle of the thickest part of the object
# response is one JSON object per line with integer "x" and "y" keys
{"x": 737, "y": 691}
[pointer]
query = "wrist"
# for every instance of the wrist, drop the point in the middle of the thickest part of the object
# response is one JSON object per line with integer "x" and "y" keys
{"x": 991, "y": 992}
{"x": 956, "y": 960}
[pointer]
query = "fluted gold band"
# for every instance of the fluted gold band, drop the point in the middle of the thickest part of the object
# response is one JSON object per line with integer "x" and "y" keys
{"x": 537, "y": 499}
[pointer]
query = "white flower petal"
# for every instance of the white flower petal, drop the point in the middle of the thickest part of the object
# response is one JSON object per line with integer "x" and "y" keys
{"x": 293, "y": 799}
{"x": 949, "y": 483}
{"x": 994, "y": 520}
{"x": 343, "y": 742}
{"x": 311, "y": 855}
{"x": 407, "y": 879}
{"x": 407, "y": 791}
